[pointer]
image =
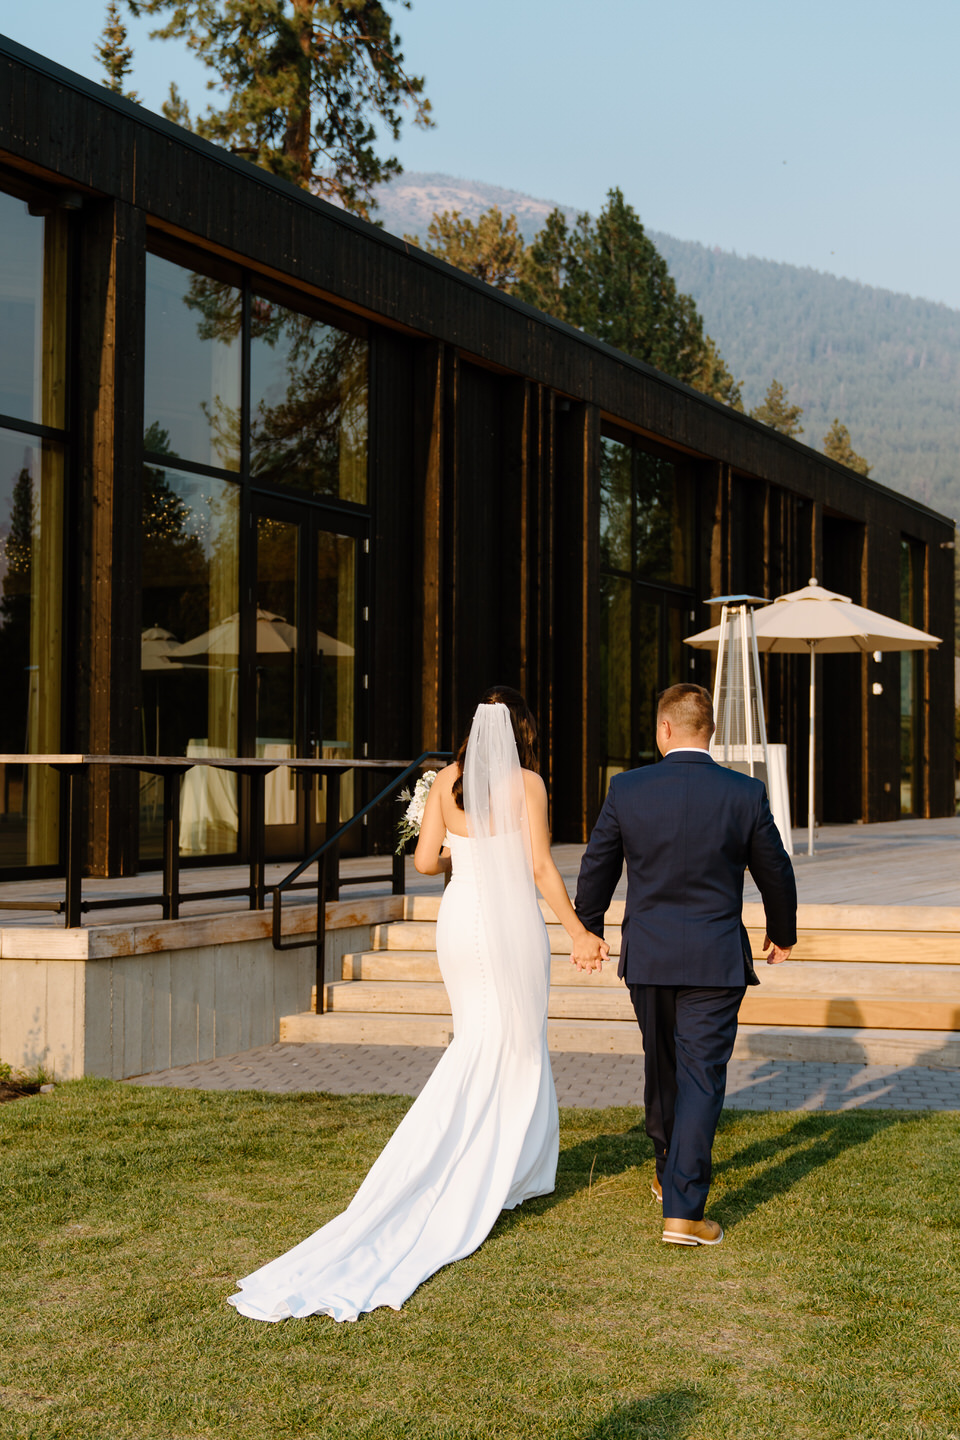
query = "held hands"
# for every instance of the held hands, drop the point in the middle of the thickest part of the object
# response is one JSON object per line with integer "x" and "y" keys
{"x": 777, "y": 953}
{"x": 588, "y": 952}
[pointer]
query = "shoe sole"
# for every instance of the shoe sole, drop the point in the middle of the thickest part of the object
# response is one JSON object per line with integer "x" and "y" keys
{"x": 674, "y": 1237}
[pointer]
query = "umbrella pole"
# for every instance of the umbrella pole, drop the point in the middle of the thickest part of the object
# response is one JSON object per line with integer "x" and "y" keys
{"x": 811, "y": 782}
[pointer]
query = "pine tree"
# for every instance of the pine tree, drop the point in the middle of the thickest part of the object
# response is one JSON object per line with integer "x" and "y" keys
{"x": 305, "y": 87}
{"x": 836, "y": 446}
{"x": 619, "y": 289}
{"x": 492, "y": 249}
{"x": 604, "y": 276}
{"x": 776, "y": 412}
{"x": 114, "y": 54}
{"x": 715, "y": 380}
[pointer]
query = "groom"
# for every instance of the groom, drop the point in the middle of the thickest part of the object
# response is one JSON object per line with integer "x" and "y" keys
{"x": 688, "y": 828}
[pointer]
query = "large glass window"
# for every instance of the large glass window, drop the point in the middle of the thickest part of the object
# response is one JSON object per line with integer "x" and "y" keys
{"x": 256, "y": 436}
{"x": 33, "y": 323}
{"x": 189, "y": 649}
{"x": 647, "y": 559}
{"x": 664, "y": 528}
{"x": 308, "y": 400}
{"x": 192, "y": 367}
{"x": 33, "y": 313}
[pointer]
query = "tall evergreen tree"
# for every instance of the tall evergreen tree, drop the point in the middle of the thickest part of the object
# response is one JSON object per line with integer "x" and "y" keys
{"x": 605, "y": 276}
{"x": 305, "y": 86}
{"x": 776, "y": 411}
{"x": 114, "y": 54}
{"x": 618, "y": 288}
{"x": 715, "y": 379}
{"x": 836, "y": 446}
{"x": 492, "y": 249}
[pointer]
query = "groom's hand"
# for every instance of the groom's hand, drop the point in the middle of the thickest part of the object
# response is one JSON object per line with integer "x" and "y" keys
{"x": 588, "y": 952}
{"x": 777, "y": 952}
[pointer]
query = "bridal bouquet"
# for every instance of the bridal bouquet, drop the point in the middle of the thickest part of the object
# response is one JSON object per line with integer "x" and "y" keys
{"x": 409, "y": 826}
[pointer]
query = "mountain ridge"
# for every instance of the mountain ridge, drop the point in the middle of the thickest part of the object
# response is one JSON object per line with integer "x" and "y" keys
{"x": 886, "y": 364}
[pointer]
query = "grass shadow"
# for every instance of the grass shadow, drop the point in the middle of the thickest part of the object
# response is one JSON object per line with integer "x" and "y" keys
{"x": 814, "y": 1140}
{"x": 583, "y": 1166}
{"x": 668, "y": 1415}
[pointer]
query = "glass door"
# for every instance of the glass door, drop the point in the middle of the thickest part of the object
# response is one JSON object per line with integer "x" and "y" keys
{"x": 305, "y": 663}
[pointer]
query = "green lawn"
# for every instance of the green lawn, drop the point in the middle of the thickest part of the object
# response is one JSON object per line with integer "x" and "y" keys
{"x": 831, "y": 1310}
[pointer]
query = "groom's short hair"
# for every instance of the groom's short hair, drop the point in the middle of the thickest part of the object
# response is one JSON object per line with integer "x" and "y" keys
{"x": 689, "y": 708}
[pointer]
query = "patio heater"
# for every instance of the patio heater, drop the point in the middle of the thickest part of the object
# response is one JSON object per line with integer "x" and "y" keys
{"x": 740, "y": 739}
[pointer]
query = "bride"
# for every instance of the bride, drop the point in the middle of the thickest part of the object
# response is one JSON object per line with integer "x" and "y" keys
{"x": 483, "y": 1134}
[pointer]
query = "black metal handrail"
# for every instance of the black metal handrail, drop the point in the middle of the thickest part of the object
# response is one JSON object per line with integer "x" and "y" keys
{"x": 328, "y": 883}
{"x": 72, "y": 769}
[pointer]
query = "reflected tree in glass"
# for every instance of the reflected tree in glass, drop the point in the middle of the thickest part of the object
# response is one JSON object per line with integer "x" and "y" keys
{"x": 615, "y": 675}
{"x": 192, "y": 370}
{"x": 616, "y": 464}
{"x": 191, "y": 605}
{"x": 664, "y": 521}
{"x": 309, "y": 401}
{"x": 31, "y": 621}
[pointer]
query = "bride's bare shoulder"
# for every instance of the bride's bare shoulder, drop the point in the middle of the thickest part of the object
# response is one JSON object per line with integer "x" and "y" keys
{"x": 533, "y": 783}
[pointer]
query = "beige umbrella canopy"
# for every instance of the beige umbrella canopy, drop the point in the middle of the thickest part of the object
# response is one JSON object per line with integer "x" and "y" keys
{"x": 274, "y": 637}
{"x": 156, "y": 645}
{"x": 825, "y": 623}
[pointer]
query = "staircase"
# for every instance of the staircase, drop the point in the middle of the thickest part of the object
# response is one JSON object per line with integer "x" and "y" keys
{"x": 870, "y": 984}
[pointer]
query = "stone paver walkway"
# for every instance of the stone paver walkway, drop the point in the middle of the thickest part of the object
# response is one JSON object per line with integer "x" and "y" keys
{"x": 589, "y": 1081}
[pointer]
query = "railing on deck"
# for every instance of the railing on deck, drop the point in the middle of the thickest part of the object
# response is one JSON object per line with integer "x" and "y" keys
{"x": 327, "y": 859}
{"x": 171, "y": 769}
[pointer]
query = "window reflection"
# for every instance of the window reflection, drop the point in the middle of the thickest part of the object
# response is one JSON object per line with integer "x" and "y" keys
{"x": 647, "y": 559}
{"x": 664, "y": 521}
{"x": 192, "y": 367}
{"x": 31, "y": 620}
{"x": 308, "y": 399}
{"x": 33, "y": 313}
{"x": 616, "y": 465}
{"x": 190, "y": 646}
{"x": 615, "y": 675}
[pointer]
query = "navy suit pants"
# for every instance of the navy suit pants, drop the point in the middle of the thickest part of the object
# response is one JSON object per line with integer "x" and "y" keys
{"x": 688, "y": 1036}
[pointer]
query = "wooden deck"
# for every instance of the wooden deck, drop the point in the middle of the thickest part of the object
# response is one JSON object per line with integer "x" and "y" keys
{"x": 911, "y": 862}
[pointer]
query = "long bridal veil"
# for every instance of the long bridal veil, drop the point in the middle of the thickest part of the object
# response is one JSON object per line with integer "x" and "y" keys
{"x": 494, "y": 802}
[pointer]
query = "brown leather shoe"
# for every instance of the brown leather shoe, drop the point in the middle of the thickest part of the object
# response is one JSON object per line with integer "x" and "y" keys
{"x": 691, "y": 1232}
{"x": 656, "y": 1190}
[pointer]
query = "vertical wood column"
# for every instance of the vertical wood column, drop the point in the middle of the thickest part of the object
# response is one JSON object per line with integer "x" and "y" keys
{"x": 108, "y": 410}
{"x": 398, "y": 581}
{"x": 429, "y": 443}
{"x": 577, "y": 623}
{"x": 447, "y": 487}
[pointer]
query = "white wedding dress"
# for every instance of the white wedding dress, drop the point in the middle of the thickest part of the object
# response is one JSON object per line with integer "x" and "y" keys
{"x": 482, "y": 1135}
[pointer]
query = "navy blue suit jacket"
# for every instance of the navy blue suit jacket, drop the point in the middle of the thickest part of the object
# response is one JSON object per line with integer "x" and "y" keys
{"x": 687, "y": 828}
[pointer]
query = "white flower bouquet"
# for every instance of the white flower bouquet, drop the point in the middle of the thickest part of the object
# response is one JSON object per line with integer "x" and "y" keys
{"x": 409, "y": 825}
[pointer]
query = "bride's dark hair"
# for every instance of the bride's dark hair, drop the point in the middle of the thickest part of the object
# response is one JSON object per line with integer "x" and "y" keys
{"x": 524, "y": 731}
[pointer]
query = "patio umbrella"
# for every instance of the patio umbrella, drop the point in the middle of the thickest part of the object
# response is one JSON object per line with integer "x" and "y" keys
{"x": 274, "y": 637}
{"x": 155, "y": 647}
{"x": 823, "y": 622}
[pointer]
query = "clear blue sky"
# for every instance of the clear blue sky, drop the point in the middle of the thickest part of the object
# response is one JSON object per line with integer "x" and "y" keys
{"x": 823, "y": 134}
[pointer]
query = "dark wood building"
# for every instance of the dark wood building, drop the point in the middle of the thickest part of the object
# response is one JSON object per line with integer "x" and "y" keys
{"x": 272, "y": 482}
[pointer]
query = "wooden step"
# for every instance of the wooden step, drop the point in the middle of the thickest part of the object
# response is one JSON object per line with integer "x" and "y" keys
{"x": 877, "y": 1012}
{"x": 878, "y": 947}
{"x": 939, "y": 1050}
{"x": 861, "y": 977}
{"x": 424, "y": 965}
{"x": 847, "y": 978}
{"x": 607, "y": 1002}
